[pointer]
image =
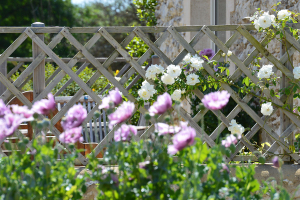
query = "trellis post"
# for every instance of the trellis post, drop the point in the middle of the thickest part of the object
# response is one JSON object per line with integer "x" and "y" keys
{"x": 285, "y": 122}
{"x": 3, "y": 70}
{"x": 39, "y": 71}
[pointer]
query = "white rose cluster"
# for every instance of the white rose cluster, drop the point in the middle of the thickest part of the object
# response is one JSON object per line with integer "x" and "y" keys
{"x": 172, "y": 72}
{"x": 265, "y": 71}
{"x": 146, "y": 91}
{"x": 296, "y": 72}
{"x": 267, "y": 108}
{"x": 235, "y": 128}
{"x": 195, "y": 61}
{"x": 264, "y": 21}
{"x": 153, "y": 71}
{"x": 283, "y": 14}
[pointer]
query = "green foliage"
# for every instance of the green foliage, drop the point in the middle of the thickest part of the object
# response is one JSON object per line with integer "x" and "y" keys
{"x": 146, "y": 11}
{"x": 148, "y": 172}
{"x": 37, "y": 174}
{"x": 71, "y": 90}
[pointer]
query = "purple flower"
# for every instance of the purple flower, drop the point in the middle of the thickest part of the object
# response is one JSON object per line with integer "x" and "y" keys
{"x": 124, "y": 132}
{"x": 3, "y": 109}
{"x": 9, "y": 123}
{"x": 216, "y": 100}
{"x": 276, "y": 162}
{"x": 114, "y": 97}
{"x": 224, "y": 168}
{"x": 75, "y": 116}
{"x": 142, "y": 165}
{"x": 123, "y": 112}
{"x": 23, "y": 110}
{"x": 44, "y": 106}
{"x": 163, "y": 103}
{"x": 231, "y": 139}
{"x": 71, "y": 135}
{"x": 207, "y": 52}
{"x": 182, "y": 139}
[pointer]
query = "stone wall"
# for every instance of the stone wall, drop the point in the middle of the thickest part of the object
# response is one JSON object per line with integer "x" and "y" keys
{"x": 170, "y": 13}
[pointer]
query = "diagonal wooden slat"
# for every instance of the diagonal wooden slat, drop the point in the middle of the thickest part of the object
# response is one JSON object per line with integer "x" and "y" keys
{"x": 70, "y": 64}
{"x": 151, "y": 45}
{"x": 6, "y": 95}
{"x": 64, "y": 67}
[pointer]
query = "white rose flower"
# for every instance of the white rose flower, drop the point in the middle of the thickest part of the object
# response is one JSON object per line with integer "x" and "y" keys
{"x": 197, "y": 63}
{"x": 167, "y": 79}
{"x": 266, "y": 20}
{"x": 176, "y": 95}
{"x": 192, "y": 79}
{"x": 283, "y": 14}
{"x": 266, "y": 108}
{"x": 118, "y": 78}
{"x": 174, "y": 70}
{"x": 150, "y": 75}
{"x": 265, "y": 71}
{"x": 150, "y": 88}
{"x": 256, "y": 24}
{"x": 235, "y": 128}
{"x": 187, "y": 58}
{"x": 296, "y": 72}
{"x": 144, "y": 94}
{"x": 153, "y": 70}
{"x": 229, "y": 53}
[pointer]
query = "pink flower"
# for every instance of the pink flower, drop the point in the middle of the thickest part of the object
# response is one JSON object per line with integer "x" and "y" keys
{"x": 231, "y": 139}
{"x": 216, "y": 100}
{"x": 164, "y": 129}
{"x": 23, "y": 110}
{"x": 44, "y": 106}
{"x": 182, "y": 139}
{"x": 124, "y": 133}
{"x": 75, "y": 116}
{"x": 123, "y": 112}
{"x": 9, "y": 123}
{"x": 72, "y": 135}
{"x": 114, "y": 97}
{"x": 163, "y": 103}
{"x": 143, "y": 165}
{"x": 224, "y": 168}
{"x": 3, "y": 109}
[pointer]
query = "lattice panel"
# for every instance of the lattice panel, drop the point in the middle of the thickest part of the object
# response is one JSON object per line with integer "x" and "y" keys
{"x": 134, "y": 66}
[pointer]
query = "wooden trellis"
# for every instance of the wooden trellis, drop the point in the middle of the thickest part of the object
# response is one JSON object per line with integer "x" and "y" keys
{"x": 46, "y": 51}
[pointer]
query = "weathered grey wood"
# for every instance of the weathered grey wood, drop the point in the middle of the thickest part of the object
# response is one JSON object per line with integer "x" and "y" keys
{"x": 66, "y": 60}
{"x": 70, "y": 64}
{"x": 32, "y": 66}
{"x": 181, "y": 40}
{"x": 127, "y": 29}
{"x": 123, "y": 52}
{"x": 82, "y": 67}
{"x": 152, "y": 46}
{"x": 39, "y": 71}
{"x": 265, "y": 52}
{"x": 12, "y": 47}
{"x": 91, "y": 81}
{"x": 285, "y": 122}
{"x": 14, "y": 69}
{"x": 287, "y": 132}
{"x": 3, "y": 70}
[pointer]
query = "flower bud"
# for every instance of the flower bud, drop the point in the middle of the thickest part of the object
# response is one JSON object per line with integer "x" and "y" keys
{"x": 223, "y": 54}
{"x": 97, "y": 114}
